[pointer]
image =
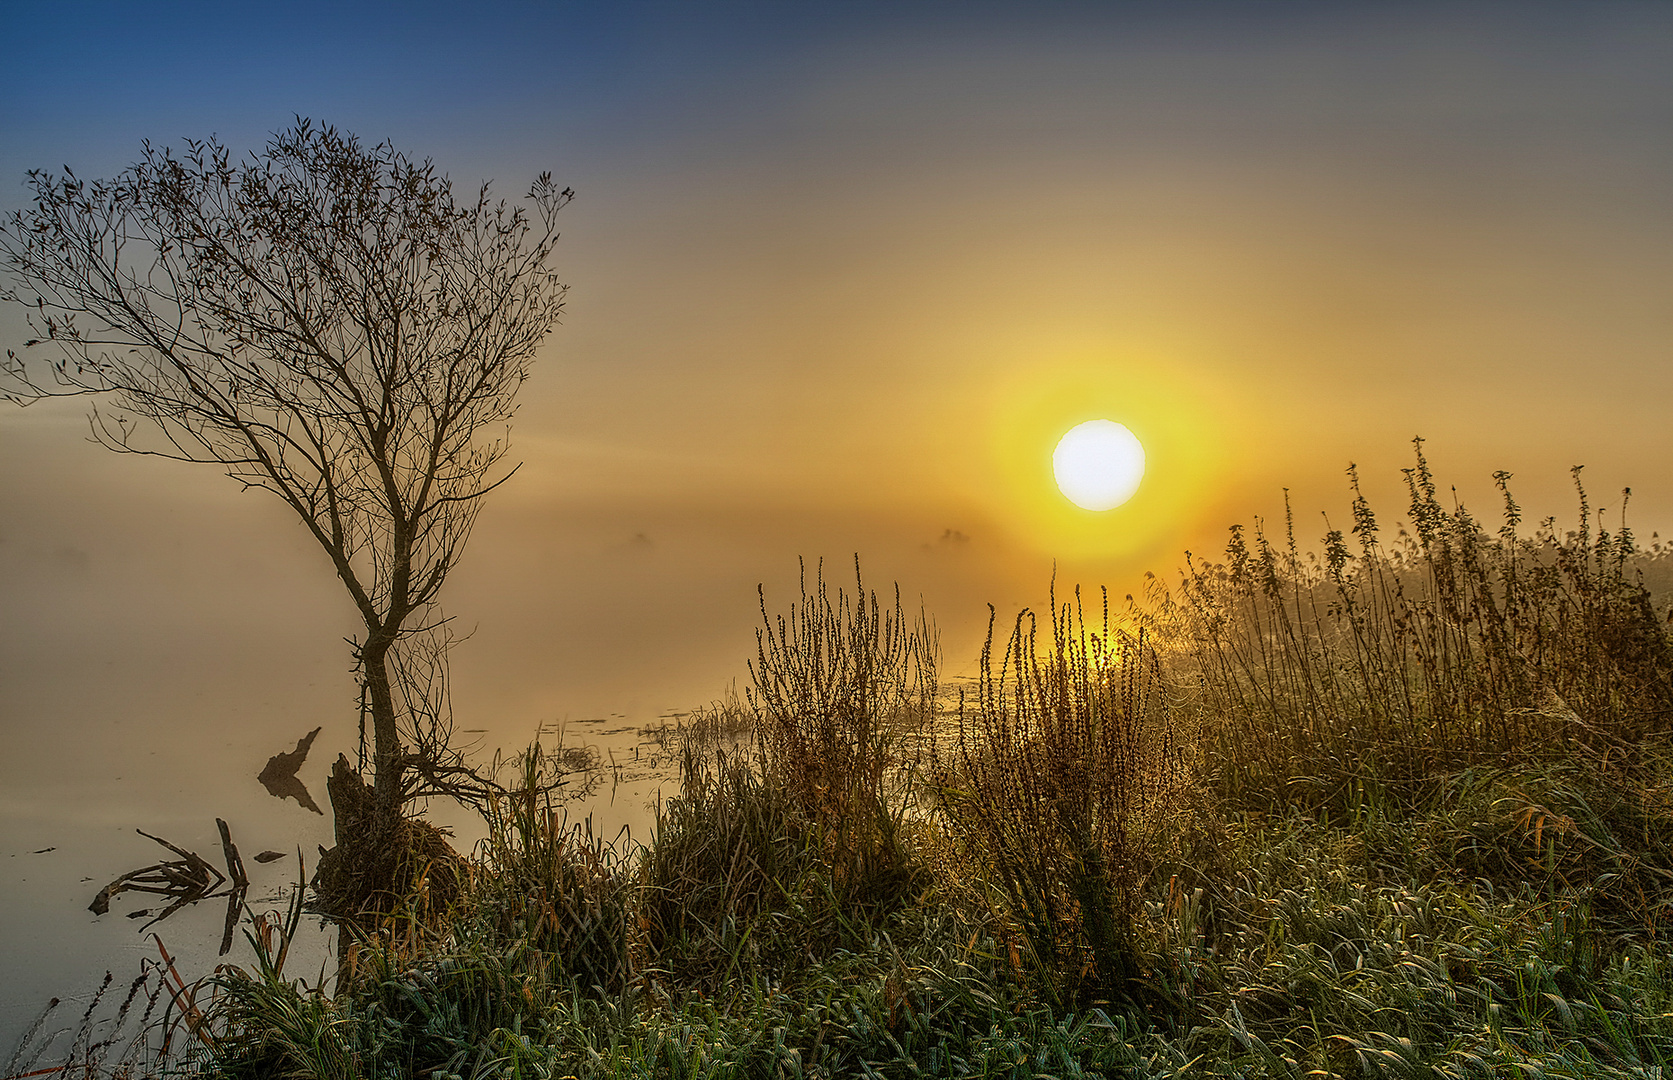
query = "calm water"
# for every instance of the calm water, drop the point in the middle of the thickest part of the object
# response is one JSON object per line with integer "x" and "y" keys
{"x": 59, "y": 856}
{"x": 156, "y": 652}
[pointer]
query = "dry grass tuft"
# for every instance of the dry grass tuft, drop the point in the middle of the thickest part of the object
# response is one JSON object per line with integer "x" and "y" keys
{"x": 839, "y": 689}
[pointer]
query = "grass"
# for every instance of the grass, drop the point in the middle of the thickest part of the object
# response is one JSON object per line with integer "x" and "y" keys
{"x": 838, "y": 688}
{"x": 1402, "y": 810}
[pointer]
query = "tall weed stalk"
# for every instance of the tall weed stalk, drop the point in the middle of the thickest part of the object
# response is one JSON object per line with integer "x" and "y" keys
{"x": 1066, "y": 776}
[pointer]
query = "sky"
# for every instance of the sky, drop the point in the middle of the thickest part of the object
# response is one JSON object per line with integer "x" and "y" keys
{"x": 840, "y": 275}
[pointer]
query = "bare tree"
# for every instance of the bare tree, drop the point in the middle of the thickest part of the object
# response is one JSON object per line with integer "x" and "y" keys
{"x": 324, "y": 321}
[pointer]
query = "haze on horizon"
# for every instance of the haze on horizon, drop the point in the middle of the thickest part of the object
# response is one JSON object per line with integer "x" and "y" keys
{"x": 837, "y": 276}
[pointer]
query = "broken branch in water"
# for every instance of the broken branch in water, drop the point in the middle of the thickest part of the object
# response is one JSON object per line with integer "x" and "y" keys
{"x": 186, "y": 880}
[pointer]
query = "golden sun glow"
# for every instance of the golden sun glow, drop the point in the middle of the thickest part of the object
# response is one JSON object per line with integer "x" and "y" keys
{"x": 1098, "y": 465}
{"x": 1049, "y": 388}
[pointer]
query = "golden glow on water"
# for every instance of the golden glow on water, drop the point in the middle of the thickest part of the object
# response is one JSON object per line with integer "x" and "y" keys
{"x": 1156, "y": 402}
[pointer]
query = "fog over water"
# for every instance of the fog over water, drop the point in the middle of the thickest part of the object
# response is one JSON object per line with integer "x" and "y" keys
{"x": 840, "y": 278}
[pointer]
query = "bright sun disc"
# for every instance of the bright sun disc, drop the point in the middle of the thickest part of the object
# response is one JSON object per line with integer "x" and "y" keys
{"x": 1098, "y": 465}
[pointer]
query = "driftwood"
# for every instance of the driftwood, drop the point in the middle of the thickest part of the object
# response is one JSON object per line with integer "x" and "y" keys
{"x": 279, "y": 777}
{"x": 186, "y": 880}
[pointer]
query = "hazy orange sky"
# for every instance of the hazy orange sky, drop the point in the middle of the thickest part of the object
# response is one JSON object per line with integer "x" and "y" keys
{"x": 841, "y": 275}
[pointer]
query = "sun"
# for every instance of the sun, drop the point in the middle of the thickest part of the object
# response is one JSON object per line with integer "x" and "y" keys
{"x": 1098, "y": 465}
{"x": 1169, "y": 424}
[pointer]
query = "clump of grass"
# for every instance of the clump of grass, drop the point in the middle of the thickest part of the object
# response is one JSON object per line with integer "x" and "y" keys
{"x": 1066, "y": 777}
{"x": 547, "y": 884}
{"x": 838, "y": 687}
{"x": 731, "y": 859}
{"x": 788, "y": 837}
{"x": 465, "y": 1005}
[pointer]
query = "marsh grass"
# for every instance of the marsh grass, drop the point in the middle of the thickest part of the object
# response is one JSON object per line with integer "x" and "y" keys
{"x": 733, "y": 864}
{"x": 1307, "y": 961}
{"x": 123, "y": 1043}
{"x": 789, "y": 835}
{"x": 838, "y": 689}
{"x": 550, "y": 885}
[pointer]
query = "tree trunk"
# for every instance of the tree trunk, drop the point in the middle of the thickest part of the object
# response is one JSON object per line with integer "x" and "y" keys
{"x": 336, "y": 895}
{"x": 386, "y": 743}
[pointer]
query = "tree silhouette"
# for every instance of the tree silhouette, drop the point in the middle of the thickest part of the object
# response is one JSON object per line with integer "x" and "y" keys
{"x": 324, "y": 321}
